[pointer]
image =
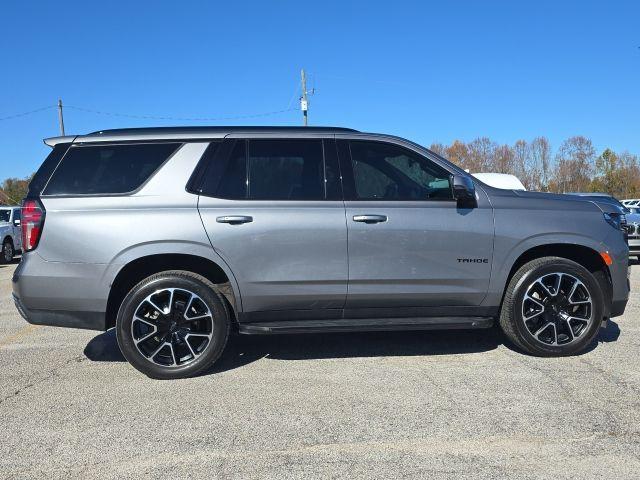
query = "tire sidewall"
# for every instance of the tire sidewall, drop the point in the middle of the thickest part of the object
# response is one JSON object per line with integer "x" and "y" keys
{"x": 220, "y": 319}
{"x": 5, "y": 246}
{"x": 561, "y": 266}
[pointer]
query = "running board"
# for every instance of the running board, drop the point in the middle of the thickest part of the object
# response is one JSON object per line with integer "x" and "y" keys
{"x": 364, "y": 324}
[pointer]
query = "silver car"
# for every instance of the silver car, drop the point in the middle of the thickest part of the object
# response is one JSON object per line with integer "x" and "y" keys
{"x": 176, "y": 236}
{"x": 10, "y": 233}
{"x": 633, "y": 231}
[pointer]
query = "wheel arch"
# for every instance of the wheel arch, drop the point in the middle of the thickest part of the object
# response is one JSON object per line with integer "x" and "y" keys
{"x": 141, "y": 267}
{"x": 584, "y": 255}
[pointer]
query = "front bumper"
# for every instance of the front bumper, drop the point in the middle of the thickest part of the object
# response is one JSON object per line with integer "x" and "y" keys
{"x": 618, "y": 249}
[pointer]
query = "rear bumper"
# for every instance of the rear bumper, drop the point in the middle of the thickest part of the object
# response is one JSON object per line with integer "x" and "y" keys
{"x": 61, "y": 318}
{"x": 60, "y": 294}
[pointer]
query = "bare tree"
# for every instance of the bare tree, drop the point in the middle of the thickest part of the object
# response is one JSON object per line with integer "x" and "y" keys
{"x": 503, "y": 160}
{"x": 574, "y": 165}
{"x": 481, "y": 154}
{"x": 458, "y": 153}
{"x": 541, "y": 158}
{"x": 439, "y": 148}
{"x": 522, "y": 161}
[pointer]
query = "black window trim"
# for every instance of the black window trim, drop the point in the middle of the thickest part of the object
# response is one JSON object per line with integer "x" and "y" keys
{"x": 209, "y": 156}
{"x": 223, "y": 154}
{"x": 348, "y": 179}
{"x": 179, "y": 145}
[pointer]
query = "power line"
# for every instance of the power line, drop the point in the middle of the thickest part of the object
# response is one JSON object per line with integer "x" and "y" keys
{"x": 149, "y": 117}
{"x": 27, "y": 113}
{"x": 156, "y": 117}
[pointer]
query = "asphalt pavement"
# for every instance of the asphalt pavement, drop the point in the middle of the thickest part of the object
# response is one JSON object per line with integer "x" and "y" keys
{"x": 423, "y": 405}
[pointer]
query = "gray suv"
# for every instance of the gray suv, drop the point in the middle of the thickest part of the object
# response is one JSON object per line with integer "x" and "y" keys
{"x": 177, "y": 236}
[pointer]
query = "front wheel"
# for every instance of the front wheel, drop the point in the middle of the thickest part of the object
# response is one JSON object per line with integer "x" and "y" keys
{"x": 172, "y": 324}
{"x": 552, "y": 307}
{"x": 7, "y": 251}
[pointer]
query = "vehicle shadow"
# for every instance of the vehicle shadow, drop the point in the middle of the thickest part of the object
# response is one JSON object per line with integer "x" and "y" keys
{"x": 15, "y": 261}
{"x": 244, "y": 349}
{"x": 610, "y": 333}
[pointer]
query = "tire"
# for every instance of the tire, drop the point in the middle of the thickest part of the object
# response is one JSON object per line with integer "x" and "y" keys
{"x": 181, "y": 317}
{"x": 531, "y": 315}
{"x": 7, "y": 252}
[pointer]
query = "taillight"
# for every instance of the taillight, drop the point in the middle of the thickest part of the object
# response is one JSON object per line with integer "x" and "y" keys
{"x": 32, "y": 222}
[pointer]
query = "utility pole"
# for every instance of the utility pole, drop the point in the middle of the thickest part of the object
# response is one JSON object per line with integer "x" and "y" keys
{"x": 60, "y": 117}
{"x": 304, "y": 103}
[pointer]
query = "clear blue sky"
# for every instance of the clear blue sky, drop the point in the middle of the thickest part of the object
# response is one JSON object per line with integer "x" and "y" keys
{"x": 428, "y": 71}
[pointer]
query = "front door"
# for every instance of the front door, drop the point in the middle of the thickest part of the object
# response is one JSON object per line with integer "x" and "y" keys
{"x": 275, "y": 214}
{"x": 409, "y": 243}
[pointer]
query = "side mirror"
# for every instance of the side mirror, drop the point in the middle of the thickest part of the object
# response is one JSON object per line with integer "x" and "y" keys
{"x": 16, "y": 222}
{"x": 464, "y": 191}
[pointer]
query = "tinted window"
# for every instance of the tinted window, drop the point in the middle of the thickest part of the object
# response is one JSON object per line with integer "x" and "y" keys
{"x": 41, "y": 177}
{"x": 16, "y": 214}
{"x": 271, "y": 170}
{"x": 233, "y": 183}
{"x": 105, "y": 169}
{"x": 286, "y": 170}
{"x": 205, "y": 164}
{"x": 387, "y": 172}
{"x": 5, "y": 215}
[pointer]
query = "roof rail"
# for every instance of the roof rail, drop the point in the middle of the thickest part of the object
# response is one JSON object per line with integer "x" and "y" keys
{"x": 215, "y": 129}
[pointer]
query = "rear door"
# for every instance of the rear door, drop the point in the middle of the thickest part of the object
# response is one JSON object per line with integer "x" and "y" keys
{"x": 409, "y": 243}
{"x": 273, "y": 211}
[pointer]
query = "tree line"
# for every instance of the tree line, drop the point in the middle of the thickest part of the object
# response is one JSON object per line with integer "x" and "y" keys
{"x": 13, "y": 190}
{"x": 574, "y": 167}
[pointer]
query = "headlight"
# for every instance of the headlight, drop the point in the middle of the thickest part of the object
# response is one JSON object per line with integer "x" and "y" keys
{"x": 616, "y": 220}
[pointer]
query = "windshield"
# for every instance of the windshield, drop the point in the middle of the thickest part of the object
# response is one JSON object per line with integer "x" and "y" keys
{"x": 5, "y": 215}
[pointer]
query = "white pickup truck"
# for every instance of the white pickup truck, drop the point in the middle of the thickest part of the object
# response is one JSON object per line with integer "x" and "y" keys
{"x": 10, "y": 232}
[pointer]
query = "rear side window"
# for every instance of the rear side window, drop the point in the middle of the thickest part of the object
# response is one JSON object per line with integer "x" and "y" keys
{"x": 50, "y": 163}
{"x": 286, "y": 170}
{"x": 107, "y": 169}
{"x": 271, "y": 170}
{"x": 233, "y": 183}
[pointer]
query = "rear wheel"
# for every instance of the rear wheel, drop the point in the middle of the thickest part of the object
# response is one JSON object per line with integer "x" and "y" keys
{"x": 173, "y": 324}
{"x": 552, "y": 307}
{"x": 7, "y": 251}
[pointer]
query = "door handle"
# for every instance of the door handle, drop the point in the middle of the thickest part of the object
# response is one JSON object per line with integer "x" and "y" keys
{"x": 370, "y": 218}
{"x": 234, "y": 219}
